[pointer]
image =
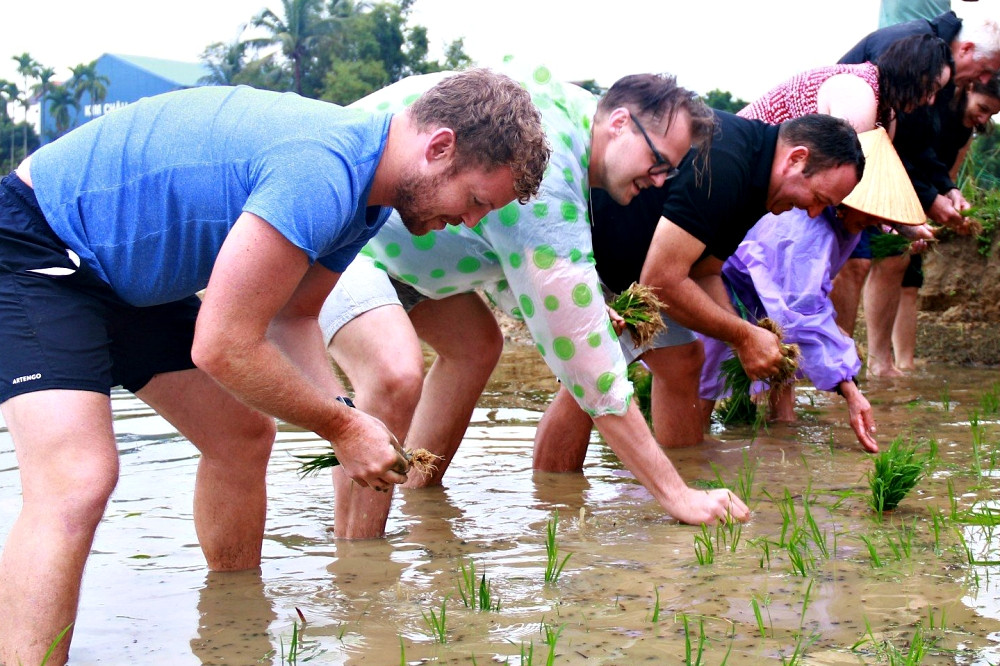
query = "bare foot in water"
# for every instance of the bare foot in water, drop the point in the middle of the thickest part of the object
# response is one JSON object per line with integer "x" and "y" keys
{"x": 876, "y": 369}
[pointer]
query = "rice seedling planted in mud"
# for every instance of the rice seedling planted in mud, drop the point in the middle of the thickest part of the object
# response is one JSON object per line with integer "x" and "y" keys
{"x": 553, "y": 567}
{"x": 475, "y": 594}
{"x": 896, "y": 470}
{"x": 437, "y": 623}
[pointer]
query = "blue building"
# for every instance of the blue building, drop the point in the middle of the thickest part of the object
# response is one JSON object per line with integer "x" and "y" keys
{"x": 130, "y": 78}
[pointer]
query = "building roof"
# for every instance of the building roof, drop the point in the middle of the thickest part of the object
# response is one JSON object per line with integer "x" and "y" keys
{"x": 184, "y": 74}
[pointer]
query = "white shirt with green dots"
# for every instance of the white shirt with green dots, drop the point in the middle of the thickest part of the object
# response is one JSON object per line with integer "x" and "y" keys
{"x": 534, "y": 260}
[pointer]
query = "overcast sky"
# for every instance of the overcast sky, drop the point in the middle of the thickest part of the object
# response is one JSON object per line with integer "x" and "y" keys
{"x": 742, "y": 46}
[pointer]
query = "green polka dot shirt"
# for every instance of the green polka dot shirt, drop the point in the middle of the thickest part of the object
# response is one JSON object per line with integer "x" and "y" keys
{"x": 534, "y": 260}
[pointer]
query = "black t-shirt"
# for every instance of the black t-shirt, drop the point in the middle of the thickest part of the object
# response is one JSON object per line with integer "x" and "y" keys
{"x": 719, "y": 210}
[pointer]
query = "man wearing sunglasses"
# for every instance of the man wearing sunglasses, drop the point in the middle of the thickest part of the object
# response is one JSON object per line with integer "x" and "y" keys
{"x": 535, "y": 261}
{"x": 675, "y": 239}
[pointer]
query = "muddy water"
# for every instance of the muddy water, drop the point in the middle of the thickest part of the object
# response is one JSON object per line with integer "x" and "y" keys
{"x": 147, "y": 598}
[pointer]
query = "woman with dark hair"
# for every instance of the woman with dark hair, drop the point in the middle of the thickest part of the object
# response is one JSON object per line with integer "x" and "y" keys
{"x": 907, "y": 75}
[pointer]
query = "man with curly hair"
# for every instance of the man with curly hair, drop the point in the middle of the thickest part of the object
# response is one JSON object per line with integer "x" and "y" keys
{"x": 262, "y": 200}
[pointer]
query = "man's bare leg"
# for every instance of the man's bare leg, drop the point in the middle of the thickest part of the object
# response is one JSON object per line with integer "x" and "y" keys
{"x": 381, "y": 355}
{"x": 69, "y": 465}
{"x": 562, "y": 436}
{"x": 468, "y": 342}
{"x": 230, "y": 496}
{"x": 782, "y": 404}
{"x": 846, "y": 294}
{"x": 676, "y": 407}
{"x": 881, "y": 296}
{"x": 904, "y": 330}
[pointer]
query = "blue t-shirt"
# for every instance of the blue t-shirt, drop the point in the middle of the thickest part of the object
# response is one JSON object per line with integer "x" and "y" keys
{"x": 146, "y": 195}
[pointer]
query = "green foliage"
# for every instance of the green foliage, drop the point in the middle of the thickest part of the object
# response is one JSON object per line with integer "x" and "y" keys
{"x": 314, "y": 462}
{"x": 338, "y": 51}
{"x": 888, "y": 245}
{"x": 723, "y": 100}
{"x": 979, "y": 180}
{"x": 642, "y": 382}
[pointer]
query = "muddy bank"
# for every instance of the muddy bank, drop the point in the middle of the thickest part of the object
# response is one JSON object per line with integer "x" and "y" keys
{"x": 959, "y": 319}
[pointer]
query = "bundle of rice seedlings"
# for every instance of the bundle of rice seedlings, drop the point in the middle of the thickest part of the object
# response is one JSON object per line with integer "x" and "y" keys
{"x": 739, "y": 407}
{"x": 888, "y": 245}
{"x": 421, "y": 460}
{"x": 897, "y": 470}
{"x": 640, "y": 308}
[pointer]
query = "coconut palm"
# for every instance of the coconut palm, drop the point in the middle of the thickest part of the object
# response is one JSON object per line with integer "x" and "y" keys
{"x": 41, "y": 90}
{"x": 224, "y": 62}
{"x": 300, "y": 33}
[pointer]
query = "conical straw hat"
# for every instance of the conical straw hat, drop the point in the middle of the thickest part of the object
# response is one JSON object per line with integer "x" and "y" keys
{"x": 886, "y": 190}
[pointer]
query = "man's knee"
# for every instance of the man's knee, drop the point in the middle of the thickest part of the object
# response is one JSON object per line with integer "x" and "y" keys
{"x": 398, "y": 386}
{"x": 74, "y": 494}
{"x": 250, "y": 437}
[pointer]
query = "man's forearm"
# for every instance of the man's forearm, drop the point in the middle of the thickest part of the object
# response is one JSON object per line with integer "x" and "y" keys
{"x": 690, "y": 306}
{"x": 629, "y": 437}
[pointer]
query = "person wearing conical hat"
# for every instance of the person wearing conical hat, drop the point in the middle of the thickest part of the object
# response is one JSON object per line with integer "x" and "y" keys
{"x": 784, "y": 270}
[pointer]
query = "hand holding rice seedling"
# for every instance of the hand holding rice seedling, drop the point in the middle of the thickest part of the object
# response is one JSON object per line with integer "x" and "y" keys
{"x": 739, "y": 407}
{"x": 421, "y": 460}
{"x": 640, "y": 308}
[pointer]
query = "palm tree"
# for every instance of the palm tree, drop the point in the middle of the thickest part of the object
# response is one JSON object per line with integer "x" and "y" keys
{"x": 224, "y": 61}
{"x": 28, "y": 68}
{"x": 8, "y": 95}
{"x": 86, "y": 81}
{"x": 300, "y": 32}
{"x": 62, "y": 107}
{"x": 41, "y": 90}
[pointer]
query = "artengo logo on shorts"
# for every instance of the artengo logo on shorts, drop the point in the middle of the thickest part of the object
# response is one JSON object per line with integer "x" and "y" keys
{"x": 27, "y": 378}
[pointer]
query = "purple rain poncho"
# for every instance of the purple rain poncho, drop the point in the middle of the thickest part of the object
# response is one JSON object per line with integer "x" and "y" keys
{"x": 784, "y": 270}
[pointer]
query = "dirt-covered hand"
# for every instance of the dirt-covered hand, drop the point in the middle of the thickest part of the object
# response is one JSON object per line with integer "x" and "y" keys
{"x": 698, "y": 507}
{"x": 759, "y": 350}
{"x": 369, "y": 453}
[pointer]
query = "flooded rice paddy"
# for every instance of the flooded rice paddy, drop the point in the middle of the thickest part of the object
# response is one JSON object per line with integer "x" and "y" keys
{"x": 812, "y": 579}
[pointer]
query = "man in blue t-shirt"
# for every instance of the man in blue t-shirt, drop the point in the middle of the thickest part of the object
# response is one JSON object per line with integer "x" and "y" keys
{"x": 261, "y": 199}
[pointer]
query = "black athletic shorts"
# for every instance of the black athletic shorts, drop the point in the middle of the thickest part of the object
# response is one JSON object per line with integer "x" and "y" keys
{"x": 62, "y": 327}
{"x": 914, "y": 275}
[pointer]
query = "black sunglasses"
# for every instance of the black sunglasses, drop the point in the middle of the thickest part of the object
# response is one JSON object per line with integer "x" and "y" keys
{"x": 663, "y": 165}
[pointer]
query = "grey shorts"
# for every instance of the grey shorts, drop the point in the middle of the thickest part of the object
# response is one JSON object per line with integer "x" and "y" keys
{"x": 675, "y": 336}
{"x": 363, "y": 287}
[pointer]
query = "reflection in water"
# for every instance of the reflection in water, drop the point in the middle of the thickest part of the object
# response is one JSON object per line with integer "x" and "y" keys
{"x": 234, "y": 617}
{"x": 147, "y": 598}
